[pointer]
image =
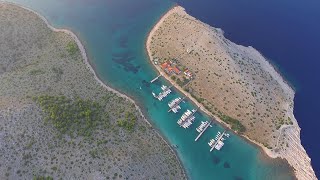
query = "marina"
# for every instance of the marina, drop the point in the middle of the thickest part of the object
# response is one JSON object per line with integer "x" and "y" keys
{"x": 202, "y": 128}
{"x": 187, "y": 118}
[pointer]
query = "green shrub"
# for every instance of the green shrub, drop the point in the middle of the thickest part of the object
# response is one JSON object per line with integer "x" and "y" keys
{"x": 235, "y": 124}
{"x": 129, "y": 122}
{"x": 42, "y": 178}
{"x": 68, "y": 116}
{"x": 36, "y": 72}
{"x": 72, "y": 48}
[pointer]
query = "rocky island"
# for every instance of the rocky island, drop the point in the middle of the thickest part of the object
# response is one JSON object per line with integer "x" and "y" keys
{"x": 234, "y": 84}
{"x": 58, "y": 120}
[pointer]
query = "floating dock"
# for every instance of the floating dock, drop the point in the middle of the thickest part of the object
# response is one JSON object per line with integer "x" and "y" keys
{"x": 174, "y": 106}
{"x": 217, "y": 142}
{"x": 194, "y": 111}
{"x": 202, "y": 130}
{"x": 156, "y": 78}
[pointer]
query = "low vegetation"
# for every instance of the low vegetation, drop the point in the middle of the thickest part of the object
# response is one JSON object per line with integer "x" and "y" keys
{"x": 42, "y": 178}
{"x": 72, "y": 48}
{"x": 182, "y": 82}
{"x": 36, "y": 72}
{"x": 68, "y": 116}
{"x": 234, "y": 123}
{"x": 128, "y": 122}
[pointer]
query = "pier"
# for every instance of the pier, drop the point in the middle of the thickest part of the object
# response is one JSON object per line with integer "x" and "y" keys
{"x": 176, "y": 104}
{"x": 164, "y": 93}
{"x": 187, "y": 118}
{"x": 200, "y": 134}
{"x": 217, "y": 141}
{"x": 156, "y": 78}
{"x": 194, "y": 111}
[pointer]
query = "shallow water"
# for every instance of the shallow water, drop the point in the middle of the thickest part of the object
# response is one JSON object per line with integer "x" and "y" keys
{"x": 114, "y": 33}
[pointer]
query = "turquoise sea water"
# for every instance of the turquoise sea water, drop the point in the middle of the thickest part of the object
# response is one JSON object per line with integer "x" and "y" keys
{"x": 114, "y": 33}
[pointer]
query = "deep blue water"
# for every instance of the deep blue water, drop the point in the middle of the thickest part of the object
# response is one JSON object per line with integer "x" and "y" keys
{"x": 114, "y": 34}
{"x": 287, "y": 32}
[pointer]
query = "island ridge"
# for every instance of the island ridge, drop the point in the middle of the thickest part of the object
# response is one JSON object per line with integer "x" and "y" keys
{"x": 234, "y": 84}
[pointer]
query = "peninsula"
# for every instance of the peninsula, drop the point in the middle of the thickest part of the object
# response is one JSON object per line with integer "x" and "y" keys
{"x": 58, "y": 120}
{"x": 234, "y": 84}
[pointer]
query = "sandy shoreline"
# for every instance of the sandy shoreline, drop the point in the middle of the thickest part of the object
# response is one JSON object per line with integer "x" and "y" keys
{"x": 293, "y": 130}
{"x": 90, "y": 67}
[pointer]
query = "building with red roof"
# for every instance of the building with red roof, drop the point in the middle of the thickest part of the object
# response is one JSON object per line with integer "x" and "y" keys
{"x": 165, "y": 65}
{"x": 176, "y": 70}
{"x": 188, "y": 73}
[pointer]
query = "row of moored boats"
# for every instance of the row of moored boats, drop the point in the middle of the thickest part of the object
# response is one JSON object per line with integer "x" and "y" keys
{"x": 217, "y": 143}
{"x": 165, "y": 92}
{"x": 188, "y": 118}
{"x": 174, "y": 104}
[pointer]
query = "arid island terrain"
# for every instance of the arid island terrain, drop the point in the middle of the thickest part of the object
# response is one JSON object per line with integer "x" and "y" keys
{"x": 58, "y": 121}
{"x": 234, "y": 84}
